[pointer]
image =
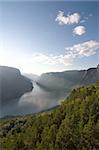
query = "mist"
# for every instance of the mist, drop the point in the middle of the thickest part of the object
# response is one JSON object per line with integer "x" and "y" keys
{"x": 32, "y": 102}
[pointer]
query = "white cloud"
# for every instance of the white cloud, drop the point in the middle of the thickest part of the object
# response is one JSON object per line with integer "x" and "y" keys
{"x": 78, "y": 50}
{"x": 69, "y": 19}
{"x": 51, "y": 60}
{"x": 79, "y": 30}
{"x": 39, "y": 62}
{"x": 84, "y": 49}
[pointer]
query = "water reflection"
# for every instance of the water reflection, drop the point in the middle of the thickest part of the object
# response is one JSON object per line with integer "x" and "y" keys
{"x": 37, "y": 100}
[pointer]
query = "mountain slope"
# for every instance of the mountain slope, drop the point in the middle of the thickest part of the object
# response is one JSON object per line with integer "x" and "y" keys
{"x": 91, "y": 76}
{"x": 68, "y": 80}
{"x": 74, "y": 125}
{"x": 12, "y": 84}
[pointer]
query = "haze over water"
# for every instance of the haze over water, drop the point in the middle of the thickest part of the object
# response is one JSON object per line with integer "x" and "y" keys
{"x": 37, "y": 100}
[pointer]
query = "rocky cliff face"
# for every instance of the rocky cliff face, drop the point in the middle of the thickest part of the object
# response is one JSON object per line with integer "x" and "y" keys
{"x": 12, "y": 84}
{"x": 68, "y": 79}
{"x": 91, "y": 76}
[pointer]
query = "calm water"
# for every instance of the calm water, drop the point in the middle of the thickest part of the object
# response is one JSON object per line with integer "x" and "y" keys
{"x": 37, "y": 100}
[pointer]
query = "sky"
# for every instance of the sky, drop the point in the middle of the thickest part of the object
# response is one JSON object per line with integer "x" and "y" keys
{"x": 39, "y": 37}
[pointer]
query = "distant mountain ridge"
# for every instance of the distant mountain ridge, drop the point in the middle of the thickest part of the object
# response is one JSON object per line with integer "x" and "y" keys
{"x": 68, "y": 79}
{"x": 12, "y": 84}
{"x": 32, "y": 77}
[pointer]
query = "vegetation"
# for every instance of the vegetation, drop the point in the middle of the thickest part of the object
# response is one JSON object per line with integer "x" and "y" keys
{"x": 74, "y": 125}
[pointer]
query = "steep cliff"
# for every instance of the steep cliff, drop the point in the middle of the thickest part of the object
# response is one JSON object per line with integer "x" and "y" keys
{"x": 68, "y": 79}
{"x": 12, "y": 84}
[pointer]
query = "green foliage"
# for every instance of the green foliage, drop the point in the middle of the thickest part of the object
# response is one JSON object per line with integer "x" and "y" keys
{"x": 72, "y": 126}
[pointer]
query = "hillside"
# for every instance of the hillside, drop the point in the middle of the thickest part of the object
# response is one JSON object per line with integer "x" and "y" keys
{"x": 74, "y": 125}
{"x": 12, "y": 84}
{"x": 67, "y": 80}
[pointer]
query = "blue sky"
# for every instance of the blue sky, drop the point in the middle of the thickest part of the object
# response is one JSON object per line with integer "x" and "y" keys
{"x": 39, "y": 37}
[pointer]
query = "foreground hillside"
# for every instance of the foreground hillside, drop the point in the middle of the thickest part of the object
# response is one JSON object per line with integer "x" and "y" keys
{"x": 72, "y": 126}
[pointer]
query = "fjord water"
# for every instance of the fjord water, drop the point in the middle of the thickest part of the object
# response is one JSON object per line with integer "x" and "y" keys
{"x": 37, "y": 100}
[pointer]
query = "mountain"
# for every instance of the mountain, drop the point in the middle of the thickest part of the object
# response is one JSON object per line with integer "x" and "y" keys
{"x": 90, "y": 76}
{"x": 67, "y": 80}
{"x": 74, "y": 125}
{"x": 12, "y": 84}
{"x": 31, "y": 76}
